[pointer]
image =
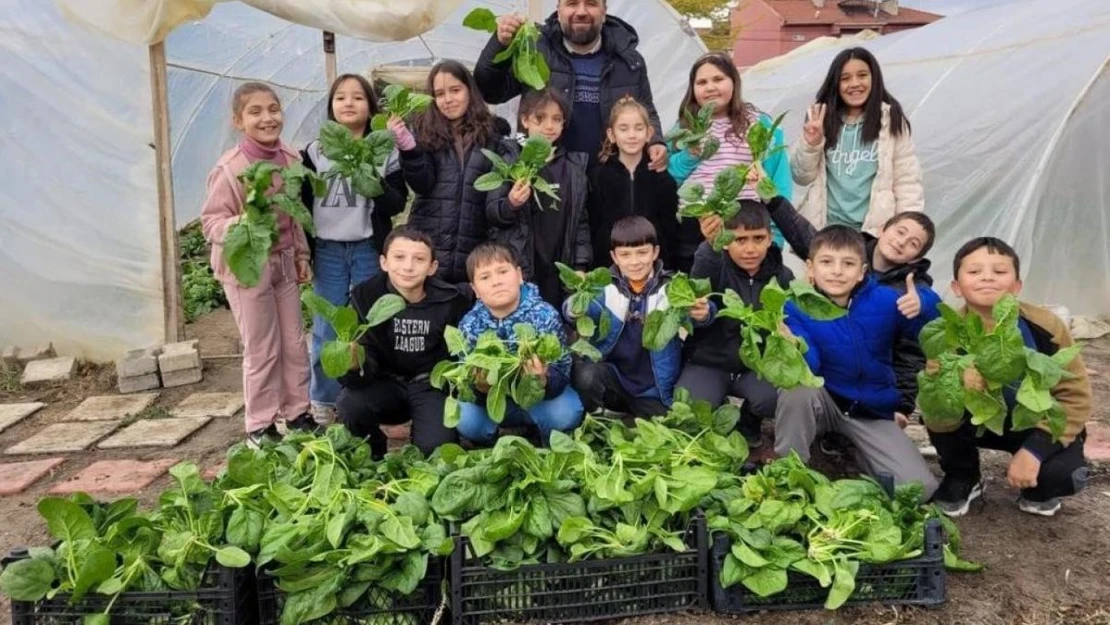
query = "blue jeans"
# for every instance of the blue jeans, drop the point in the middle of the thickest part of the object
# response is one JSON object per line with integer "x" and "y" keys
{"x": 337, "y": 267}
{"x": 563, "y": 413}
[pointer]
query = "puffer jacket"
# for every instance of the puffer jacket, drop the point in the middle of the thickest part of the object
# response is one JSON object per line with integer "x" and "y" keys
{"x": 897, "y": 187}
{"x": 853, "y": 353}
{"x": 448, "y": 208}
{"x": 908, "y": 357}
{"x": 624, "y": 75}
{"x": 718, "y": 346}
{"x": 515, "y": 226}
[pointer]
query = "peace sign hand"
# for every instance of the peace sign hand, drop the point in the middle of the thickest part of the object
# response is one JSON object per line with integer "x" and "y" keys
{"x": 910, "y": 303}
{"x": 814, "y": 129}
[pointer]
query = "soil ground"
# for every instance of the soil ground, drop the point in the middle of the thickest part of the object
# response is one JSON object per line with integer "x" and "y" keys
{"x": 1039, "y": 571}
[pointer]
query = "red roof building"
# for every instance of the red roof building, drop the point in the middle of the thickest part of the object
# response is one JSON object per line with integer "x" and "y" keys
{"x": 768, "y": 28}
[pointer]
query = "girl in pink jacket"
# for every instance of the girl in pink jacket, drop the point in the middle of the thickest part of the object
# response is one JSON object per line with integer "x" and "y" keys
{"x": 275, "y": 361}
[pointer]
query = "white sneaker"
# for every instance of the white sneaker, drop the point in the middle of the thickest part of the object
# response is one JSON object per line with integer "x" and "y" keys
{"x": 1041, "y": 508}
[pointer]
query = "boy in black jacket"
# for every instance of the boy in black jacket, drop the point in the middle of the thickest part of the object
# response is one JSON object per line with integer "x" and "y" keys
{"x": 895, "y": 257}
{"x": 393, "y": 385}
{"x": 713, "y": 368}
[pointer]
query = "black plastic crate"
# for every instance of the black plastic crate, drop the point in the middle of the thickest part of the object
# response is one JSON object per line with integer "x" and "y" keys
{"x": 581, "y": 591}
{"x": 920, "y": 581}
{"x": 225, "y": 597}
{"x": 377, "y": 606}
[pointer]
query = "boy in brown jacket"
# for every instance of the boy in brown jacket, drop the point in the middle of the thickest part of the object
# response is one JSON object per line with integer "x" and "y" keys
{"x": 985, "y": 270}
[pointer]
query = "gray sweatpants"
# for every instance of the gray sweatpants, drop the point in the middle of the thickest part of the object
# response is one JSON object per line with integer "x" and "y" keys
{"x": 803, "y": 414}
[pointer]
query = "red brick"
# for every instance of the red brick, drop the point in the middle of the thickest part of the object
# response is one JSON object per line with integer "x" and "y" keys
{"x": 114, "y": 477}
{"x": 1097, "y": 447}
{"x": 17, "y": 477}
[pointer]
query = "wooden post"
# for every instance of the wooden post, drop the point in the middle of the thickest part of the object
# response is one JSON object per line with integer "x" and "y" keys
{"x": 173, "y": 317}
{"x": 329, "y": 57}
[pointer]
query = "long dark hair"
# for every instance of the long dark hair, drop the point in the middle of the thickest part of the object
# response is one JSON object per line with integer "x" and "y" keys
{"x": 829, "y": 94}
{"x": 740, "y": 113}
{"x": 367, "y": 88}
{"x": 436, "y": 132}
{"x": 534, "y": 100}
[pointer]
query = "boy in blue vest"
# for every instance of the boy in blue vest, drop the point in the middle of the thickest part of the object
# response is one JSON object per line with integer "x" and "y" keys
{"x": 630, "y": 378}
{"x": 854, "y": 356}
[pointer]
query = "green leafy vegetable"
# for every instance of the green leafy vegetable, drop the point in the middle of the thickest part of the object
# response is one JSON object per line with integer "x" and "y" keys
{"x": 501, "y": 366}
{"x": 781, "y": 361}
{"x": 529, "y": 66}
{"x": 533, "y": 157}
{"x": 662, "y": 326}
{"x": 246, "y": 248}
{"x": 722, "y": 201}
{"x": 957, "y": 344}
{"x": 335, "y": 355}
{"x": 360, "y": 159}
{"x": 399, "y": 101}
{"x": 584, "y": 290}
{"x": 696, "y": 133}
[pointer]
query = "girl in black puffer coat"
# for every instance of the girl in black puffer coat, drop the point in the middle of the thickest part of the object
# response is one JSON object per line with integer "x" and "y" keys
{"x": 442, "y": 162}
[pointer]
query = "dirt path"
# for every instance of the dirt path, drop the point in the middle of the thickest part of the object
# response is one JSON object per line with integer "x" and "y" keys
{"x": 1039, "y": 571}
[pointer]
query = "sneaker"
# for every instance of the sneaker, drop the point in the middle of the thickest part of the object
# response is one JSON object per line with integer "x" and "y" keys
{"x": 324, "y": 414}
{"x": 1048, "y": 507}
{"x": 834, "y": 444}
{"x": 954, "y": 496}
{"x": 256, "y": 438}
{"x": 752, "y": 432}
{"x": 304, "y": 423}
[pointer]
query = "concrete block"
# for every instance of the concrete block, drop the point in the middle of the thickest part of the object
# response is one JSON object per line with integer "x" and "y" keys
{"x": 64, "y": 438}
{"x": 10, "y": 414}
{"x": 17, "y": 477}
{"x": 178, "y": 361}
{"x": 148, "y": 382}
{"x": 111, "y": 407}
{"x": 37, "y": 353}
{"x": 114, "y": 477}
{"x": 47, "y": 372}
{"x": 155, "y": 433}
{"x": 174, "y": 379}
{"x": 137, "y": 362}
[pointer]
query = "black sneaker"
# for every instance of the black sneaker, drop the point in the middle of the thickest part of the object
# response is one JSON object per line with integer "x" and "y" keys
{"x": 834, "y": 444}
{"x": 954, "y": 496}
{"x": 749, "y": 427}
{"x": 304, "y": 423}
{"x": 256, "y": 438}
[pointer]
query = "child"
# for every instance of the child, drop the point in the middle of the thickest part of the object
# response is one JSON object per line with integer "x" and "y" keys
{"x": 894, "y": 259}
{"x": 442, "y": 162}
{"x": 539, "y": 230}
{"x": 275, "y": 364}
{"x": 504, "y": 301}
{"x": 985, "y": 270}
{"x": 350, "y": 229}
{"x": 714, "y": 81}
{"x": 629, "y": 378}
{"x": 857, "y": 157}
{"x": 622, "y": 184}
{"x": 853, "y": 355}
{"x": 393, "y": 385}
{"x": 713, "y": 368}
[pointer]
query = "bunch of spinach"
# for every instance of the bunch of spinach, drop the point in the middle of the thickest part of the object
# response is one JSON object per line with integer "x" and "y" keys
{"x": 109, "y": 549}
{"x": 336, "y": 354}
{"x": 529, "y": 66}
{"x": 959, "y": 344}
{"x": 662, "y": 326}
{"x": 787, "y": 518}
{"x": 533, "y": 157}
{"x": 335, "y": 523}
{"x": 499, "y": 365}
{"x": 722, "y": 201}
{"x": 584, "y": 290}
{"x": 399, "y": 101}
{"x": 360, "y": 159}
{"x": 246, "y": 248}
{"x": 760, "y": 138}
{"x": 696, "y": 133}
{"x": 763, "y": 347}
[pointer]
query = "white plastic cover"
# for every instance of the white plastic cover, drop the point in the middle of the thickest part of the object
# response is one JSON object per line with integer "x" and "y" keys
{"x": 79, "y": 251}
{"x": 1010, "y": 108}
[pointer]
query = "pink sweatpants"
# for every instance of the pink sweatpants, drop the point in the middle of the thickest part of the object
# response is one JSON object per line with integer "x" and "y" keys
{"x": 275, "y": 360}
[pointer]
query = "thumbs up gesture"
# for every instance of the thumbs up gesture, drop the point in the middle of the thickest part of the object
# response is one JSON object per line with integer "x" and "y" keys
{"x": 910, "y": 303}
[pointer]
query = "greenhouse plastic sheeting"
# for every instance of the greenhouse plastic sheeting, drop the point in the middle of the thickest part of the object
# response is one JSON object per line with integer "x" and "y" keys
{"x": 149, "y": 21}
{"x": 1010, "y": 108}
{"x": 79, "y": 249}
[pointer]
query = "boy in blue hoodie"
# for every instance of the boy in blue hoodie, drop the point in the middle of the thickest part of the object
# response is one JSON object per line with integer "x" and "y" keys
{"x": 630, "y": 378}
{"x": 504, "y": 300}
{"x": 854, "y": 355}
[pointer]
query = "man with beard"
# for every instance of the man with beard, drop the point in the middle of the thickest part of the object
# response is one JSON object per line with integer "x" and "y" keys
{"x": 593, "y": 62}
